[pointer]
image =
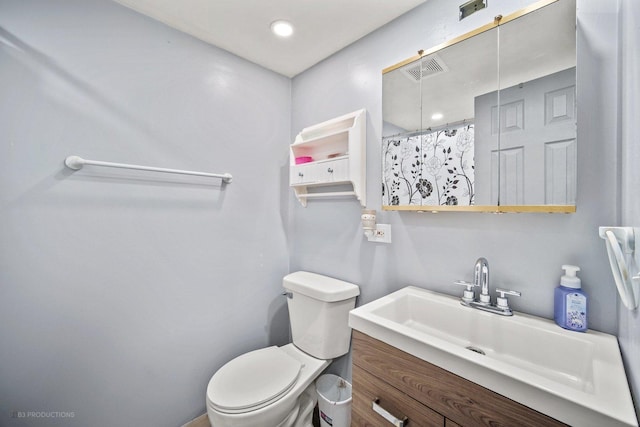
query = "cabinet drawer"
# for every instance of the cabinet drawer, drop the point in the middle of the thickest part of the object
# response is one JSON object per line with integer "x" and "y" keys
{"x": 325, "y": 172}
{"x": 367, "y": 388}
{"x": 456, "y": 398}
{"x": 303, "y": 174}
{"x": 337, "y": 170}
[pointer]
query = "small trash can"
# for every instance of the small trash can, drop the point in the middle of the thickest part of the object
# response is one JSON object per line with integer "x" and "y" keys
{"x": 334, "y": 401}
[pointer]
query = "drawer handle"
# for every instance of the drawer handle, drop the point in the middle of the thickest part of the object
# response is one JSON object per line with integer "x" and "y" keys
{"x": 330, "y": 170}
{"x": 300, "y": 174}
{"x": 387, "y": 416}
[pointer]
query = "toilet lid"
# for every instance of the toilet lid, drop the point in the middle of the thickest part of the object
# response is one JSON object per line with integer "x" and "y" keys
{"x": 253, "y": 380}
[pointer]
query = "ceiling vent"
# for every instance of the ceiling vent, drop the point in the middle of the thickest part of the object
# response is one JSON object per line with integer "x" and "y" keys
{"x": 427, "y": 67}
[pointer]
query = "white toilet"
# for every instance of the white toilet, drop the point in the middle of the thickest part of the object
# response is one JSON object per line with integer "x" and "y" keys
{"x": 274, "y": 386}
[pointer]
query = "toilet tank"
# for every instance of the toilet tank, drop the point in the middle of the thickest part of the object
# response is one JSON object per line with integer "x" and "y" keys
{"x": 319, "y": 313}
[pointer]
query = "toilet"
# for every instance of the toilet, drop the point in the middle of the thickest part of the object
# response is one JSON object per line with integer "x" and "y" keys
{"x": 274, "y": 386}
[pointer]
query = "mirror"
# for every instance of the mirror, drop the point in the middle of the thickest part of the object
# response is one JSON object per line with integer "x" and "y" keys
{"x": 447, "y": 146}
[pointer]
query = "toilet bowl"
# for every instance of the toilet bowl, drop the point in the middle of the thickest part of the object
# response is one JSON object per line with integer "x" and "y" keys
{"x": 274, "y": 386}
{"x": 262, "y": 388}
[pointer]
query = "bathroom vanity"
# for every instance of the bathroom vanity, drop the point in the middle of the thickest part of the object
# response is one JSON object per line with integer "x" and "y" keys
{"x": 424, "y": 356}
{"x": 411, "y": 388}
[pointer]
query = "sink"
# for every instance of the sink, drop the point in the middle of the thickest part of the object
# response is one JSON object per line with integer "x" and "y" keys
{"x": 577, "y": 378}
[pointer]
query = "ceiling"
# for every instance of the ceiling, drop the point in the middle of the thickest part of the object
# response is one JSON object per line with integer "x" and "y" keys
{"x": 242, "y": 27}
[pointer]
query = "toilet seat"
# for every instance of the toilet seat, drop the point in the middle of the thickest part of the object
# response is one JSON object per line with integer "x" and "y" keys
{"x": 253, "y": 380}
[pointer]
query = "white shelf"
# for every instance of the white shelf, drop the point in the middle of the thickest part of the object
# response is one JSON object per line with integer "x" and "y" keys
{"x": 338, "y": 151}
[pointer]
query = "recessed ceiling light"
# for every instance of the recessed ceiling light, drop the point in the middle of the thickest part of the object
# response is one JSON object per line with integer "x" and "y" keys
{"x": 437, "y": 116}
{"x": 282, "y": 28}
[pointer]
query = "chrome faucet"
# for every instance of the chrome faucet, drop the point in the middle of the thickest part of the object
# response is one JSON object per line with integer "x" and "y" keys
{"x": 481, "y": 280}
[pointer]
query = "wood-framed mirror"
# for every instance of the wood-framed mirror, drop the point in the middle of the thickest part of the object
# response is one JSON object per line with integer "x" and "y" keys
{"x": 486, "y": 122}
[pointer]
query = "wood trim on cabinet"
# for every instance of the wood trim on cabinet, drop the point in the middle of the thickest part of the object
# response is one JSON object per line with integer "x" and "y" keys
{"x": 567, "y": 209}
{"x": 460, "y": 400}
{"x": 491, "y": 25}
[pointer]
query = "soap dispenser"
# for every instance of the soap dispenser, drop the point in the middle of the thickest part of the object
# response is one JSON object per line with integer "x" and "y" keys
{"x": 570, "y": 301}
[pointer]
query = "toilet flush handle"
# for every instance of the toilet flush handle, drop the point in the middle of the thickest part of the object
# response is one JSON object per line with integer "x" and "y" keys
{"x": 287, "y": 294}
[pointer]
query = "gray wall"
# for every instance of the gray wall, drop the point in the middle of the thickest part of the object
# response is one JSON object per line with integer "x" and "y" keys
{"x": 629, "y": 322}
{"x": 122, "y": 292}
{"x": 525, "y": 251}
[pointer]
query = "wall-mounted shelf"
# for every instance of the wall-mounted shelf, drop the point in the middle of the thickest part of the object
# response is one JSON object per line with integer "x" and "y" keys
{"x": 337, "y": 152}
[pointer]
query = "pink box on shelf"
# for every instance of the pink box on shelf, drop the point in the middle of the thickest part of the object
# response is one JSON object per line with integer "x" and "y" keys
{"x": 303, "y": 159}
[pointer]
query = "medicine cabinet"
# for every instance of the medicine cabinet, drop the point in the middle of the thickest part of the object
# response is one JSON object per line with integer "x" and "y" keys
{"x": 487, "y": 121}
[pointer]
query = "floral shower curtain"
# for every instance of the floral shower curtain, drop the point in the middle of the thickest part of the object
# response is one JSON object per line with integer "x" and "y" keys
{"x": 432, "y": 168}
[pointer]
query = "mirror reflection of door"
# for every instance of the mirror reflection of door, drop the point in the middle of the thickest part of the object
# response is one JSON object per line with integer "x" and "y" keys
{"x": 535, "y": 158}
{"x": 536, "y": 123}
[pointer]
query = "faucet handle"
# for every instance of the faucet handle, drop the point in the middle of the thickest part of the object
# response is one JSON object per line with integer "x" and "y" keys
{"x": 468, "y": 295}
{"x": 469, "y": 285}
{"x": 501, "y": 301}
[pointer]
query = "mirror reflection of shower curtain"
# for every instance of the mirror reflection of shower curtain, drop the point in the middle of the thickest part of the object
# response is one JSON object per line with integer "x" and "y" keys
{"x": 434, "y": 167}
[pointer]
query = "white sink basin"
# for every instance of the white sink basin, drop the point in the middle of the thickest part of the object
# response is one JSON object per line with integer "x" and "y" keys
{"x": 577, "y": 378}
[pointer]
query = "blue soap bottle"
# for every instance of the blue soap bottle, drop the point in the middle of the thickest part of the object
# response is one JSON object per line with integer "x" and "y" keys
{"x": 570, "y": 301}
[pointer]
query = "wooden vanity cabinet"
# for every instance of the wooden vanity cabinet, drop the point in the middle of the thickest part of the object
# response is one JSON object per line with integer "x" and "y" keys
{"x": 406, "y": 386}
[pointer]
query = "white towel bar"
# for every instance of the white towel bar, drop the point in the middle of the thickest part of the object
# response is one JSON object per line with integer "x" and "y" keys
{"x": 76, "y": 163}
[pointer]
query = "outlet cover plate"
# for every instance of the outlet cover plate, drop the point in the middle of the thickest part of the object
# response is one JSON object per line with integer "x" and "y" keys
{"x": 382, "y": 234}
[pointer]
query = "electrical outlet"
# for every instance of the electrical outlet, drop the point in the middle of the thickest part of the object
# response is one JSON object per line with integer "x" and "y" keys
{"x": 382, "y": 234}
